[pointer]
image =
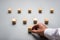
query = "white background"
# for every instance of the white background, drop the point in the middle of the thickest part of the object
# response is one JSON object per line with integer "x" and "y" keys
{"x": 19, "y": 31}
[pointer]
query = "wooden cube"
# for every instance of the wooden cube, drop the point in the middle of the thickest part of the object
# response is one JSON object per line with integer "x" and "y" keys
{"x": 19, "y": 10}
{"x": 13, "y": 21}
{"x": 46, "y": 21}
{"x": 35, "y": 21}
{"x": 24, "y": 21}
{"x": 10, "y": 10}
{"x": 51, "y": 10}
{"x": 29, "y": 29}
{"x": 40, "y": 10}
{"x": 29, "y": 10}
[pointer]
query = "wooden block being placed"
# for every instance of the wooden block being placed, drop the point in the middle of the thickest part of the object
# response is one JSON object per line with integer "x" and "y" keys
{"x": 13, "y": 21}
{"x": 10, "y": 10}
{"x": 29, "y": 10}
{"x": 40, "y": 10}
{"x": 19, "y": 10}
{"x": 51, "y": 10}
{"x": 29, "y": 29}
{"x": 24, "y": 21}
{"x": 35, "y": 20}
{"x": 46, "y": 20}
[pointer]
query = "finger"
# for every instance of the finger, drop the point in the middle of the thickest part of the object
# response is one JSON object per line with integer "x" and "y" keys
{"x": 34, "y": 31}
{"x": 35, "y": 26}
{"x": 41, "y": 25}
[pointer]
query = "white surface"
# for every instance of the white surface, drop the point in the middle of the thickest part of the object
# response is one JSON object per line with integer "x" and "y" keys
{"x": 20, "y": 31}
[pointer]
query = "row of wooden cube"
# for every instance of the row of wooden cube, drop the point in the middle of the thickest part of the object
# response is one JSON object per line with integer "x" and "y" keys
{"x": 30, "y": 10}
{"x": 35, "y": 21}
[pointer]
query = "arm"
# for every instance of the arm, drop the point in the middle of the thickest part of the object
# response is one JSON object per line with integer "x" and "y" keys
{"x": 50, "y": 33}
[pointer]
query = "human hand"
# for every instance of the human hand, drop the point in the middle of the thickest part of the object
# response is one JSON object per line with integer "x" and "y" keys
{"x": 39, "y": 29}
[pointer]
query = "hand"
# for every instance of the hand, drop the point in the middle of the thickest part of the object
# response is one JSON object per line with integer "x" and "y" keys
{"x": 39, "y": 29}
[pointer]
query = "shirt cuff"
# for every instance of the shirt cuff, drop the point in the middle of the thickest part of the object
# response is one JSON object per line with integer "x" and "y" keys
{"x": 49, "y": 32}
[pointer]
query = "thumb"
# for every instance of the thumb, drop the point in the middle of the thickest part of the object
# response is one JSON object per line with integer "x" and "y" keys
{"x": 34, "y": 31}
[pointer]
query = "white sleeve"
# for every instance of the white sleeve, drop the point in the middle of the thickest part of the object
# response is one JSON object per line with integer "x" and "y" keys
{"x": 52, "y": 34}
